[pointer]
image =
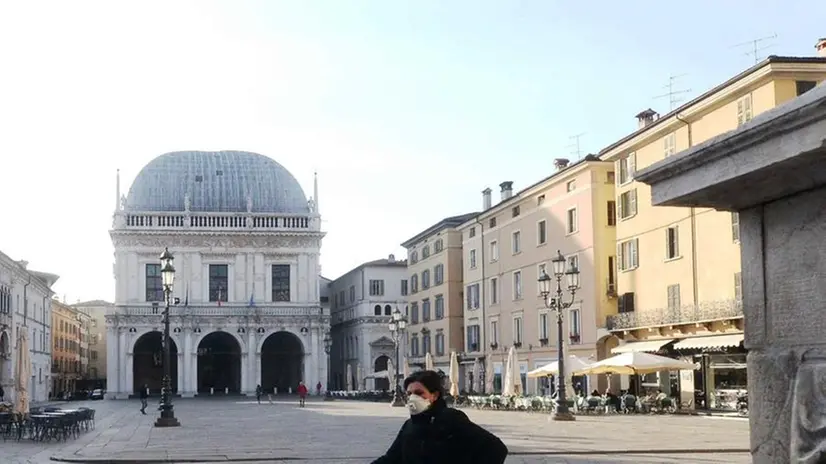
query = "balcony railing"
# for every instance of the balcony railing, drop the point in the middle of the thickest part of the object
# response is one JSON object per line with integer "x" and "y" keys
{"x": 223, "y": 221}
{"x": 214, "y": 310}
{"x": 688, "y": 314}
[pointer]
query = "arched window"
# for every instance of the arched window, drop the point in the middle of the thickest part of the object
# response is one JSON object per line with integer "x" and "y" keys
{"x": 377, "y": 310}
{"x": 388, "y": 310}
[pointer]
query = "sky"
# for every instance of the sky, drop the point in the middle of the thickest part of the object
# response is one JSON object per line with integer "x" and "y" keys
{"x": 406, "y": 109}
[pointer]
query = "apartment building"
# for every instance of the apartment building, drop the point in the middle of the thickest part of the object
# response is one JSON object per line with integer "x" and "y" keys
{"x": 679, "y": 268}
{"x": 364, "y": 300}
{"x": 435, "y": 299}
{"x": 96, "y": 370}
{"x": 508, "y": 245}
{"x": 67, "y": 331}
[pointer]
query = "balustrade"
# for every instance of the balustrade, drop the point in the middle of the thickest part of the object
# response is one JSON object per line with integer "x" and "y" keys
{"x": 230, "y": 221}
{"x": 687, "y": 314}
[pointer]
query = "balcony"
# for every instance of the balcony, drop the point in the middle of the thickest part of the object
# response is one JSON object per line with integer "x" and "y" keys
{"x": 689, "y": 314}
{"x": 223, "y": 310}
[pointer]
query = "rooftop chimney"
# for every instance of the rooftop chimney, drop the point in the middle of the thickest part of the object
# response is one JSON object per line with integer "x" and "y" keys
{"x": 507, "y": 189}
{"x": 561, "y": 163}
{"x": 821, "y": 47}
{"x": 486, "y": 202}
{"x": 392, "y": 258}
{"x": 647, "y": 117}
{"x": 23, "y": 263}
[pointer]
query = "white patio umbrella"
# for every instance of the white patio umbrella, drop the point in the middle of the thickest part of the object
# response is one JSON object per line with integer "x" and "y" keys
{"x": 428, "y": 362}
{"x": 359, "y": 377}
{"x": 477, "y": 379}
{"x": 489, "y": 376}
{"x": 513, "y": 383}
{"x": 634, "y": 363}
{"x": 22, "y": 372}
{"x": 454, "y": 374}
{"x": 348, "y": 381}
{"x": 574, "y": 365}
{"x": 406, "y": 368}
{"x": 391, "y": 373}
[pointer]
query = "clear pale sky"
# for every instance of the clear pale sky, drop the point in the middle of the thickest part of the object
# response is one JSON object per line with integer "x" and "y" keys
{"x": 407, "y": 109}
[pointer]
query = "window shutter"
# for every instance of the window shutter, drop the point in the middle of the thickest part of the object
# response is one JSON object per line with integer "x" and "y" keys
{"x": 620, "y": 260}
{"x": 632, "y": 165}
{"x": 634, "y": 250}
{"x": 676, "y": 240}
{"x": 617, "y": 172}
{"x": 619, "y": 207}
{"x": 632, "y": 202}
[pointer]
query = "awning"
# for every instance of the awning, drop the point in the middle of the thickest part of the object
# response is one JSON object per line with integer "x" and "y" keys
{"x": 644, "y": 346}
{"x": 709, "y": 341}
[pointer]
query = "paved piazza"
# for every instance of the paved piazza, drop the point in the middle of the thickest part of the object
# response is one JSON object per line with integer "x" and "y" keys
{"x": 345, "y": 431}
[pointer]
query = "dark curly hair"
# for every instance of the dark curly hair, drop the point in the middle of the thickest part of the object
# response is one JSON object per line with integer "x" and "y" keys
{"x": 431, "y": 380}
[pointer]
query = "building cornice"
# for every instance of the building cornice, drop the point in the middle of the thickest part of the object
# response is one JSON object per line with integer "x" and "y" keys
{"x": 296, "y": 241}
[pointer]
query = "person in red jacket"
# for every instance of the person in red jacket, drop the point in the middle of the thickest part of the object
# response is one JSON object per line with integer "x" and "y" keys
{"x": 302, "y": 393}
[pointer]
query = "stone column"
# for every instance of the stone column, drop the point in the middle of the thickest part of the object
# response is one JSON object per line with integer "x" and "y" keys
{"x": 772, "y": 171}
{"x": 112, "y": 363}
{"x": 186, "y": 362}
{"x": 249, "y": 364}
{"x": 122, "y": 366}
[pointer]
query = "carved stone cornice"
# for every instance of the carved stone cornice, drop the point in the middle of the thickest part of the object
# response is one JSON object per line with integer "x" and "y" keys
{"x": 281, "y": 240}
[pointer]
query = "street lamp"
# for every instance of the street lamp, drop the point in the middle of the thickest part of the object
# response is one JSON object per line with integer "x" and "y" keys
{"x": 397, "y": 326}
{"x": 557, "y": 305}
{"x": 328, "y": 347}
{"x": 167, "y": 418}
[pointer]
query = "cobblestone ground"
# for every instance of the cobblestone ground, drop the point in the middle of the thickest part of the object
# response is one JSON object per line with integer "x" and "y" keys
{"x": 343, "y": 431}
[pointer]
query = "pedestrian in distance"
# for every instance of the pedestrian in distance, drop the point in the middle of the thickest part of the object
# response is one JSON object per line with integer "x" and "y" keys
{"x": 258, "y": 392}
{"x": 302, "y": 394}
{"x": 318, "y": 388}
{"x": 144, "y": 398}
{"x": 438, "y": 434}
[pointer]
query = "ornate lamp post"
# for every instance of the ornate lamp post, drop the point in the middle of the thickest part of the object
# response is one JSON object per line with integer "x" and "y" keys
{"x": 328, "y": 347}
{"x": 556, "y": 304}
{"x": 167, "y": 418}
{"x": 397, "y": 326}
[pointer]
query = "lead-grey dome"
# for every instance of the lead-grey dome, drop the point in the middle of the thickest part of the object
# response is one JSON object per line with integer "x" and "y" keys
{"x": 216, "y": 181}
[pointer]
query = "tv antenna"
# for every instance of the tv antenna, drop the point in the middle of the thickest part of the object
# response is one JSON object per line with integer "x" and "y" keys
{"x": 673, "y": 94}
{"x": 756, "y": 47}
{"x": 575, "y": 145}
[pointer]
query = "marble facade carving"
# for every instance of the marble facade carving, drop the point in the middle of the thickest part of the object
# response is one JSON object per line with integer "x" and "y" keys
{"x": 772, "y": 171}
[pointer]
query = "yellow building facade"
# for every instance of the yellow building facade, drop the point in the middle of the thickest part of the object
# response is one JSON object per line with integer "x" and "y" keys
{"x": 678, "y": 269}
{"x": 67, "y": 335}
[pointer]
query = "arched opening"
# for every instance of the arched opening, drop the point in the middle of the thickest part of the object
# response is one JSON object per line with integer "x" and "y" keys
{"x": 604, "y": 347}
{"x": 282, "y": 362}
{"x": 147, "y": 363}
{"x": 388, "y": 311}
{"x": 377, "y": 310}
{"x": 219, "y": 364}
{"x": 381, "y": 364}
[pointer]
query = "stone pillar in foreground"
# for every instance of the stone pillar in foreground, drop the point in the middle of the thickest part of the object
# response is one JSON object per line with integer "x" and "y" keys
{"x": 772, "y": 171}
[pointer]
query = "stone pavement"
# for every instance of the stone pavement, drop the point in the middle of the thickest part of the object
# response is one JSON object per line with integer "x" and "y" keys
{"x": 344, "y": 431}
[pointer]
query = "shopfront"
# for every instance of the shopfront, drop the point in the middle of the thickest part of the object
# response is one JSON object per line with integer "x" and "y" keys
{"x": 721, "y": 378}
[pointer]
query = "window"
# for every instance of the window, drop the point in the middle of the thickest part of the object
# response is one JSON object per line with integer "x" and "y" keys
{"x": 425, "y": 343}
{"x": 494, "y": 332}
{"x": 414, "y": 283}
{"x": 672, "y": 243}
{"x": 492, "y": 222}
{"x": 612, "y": 270}
{"x": 341, "y": 300}
{"x": 574, "y": 327}
{"x": 494, "y": 251}
{"x": 414, "y": 313}
{"x": 738, "y": 287}
{"x": 472, "y": 337}
{"x": 627, "y": 255}
{"x": 440, "y": 343}
{"x": 572, "y": 223}
{"x": 154, "y": 283}
{"x": 673, "y": 297}
{"x": 540, "y": 199}
{"x": 494, "y": 290}
{"x": 377, "y": 310}
{"x": 626, "y": 167}
{"x": 473, "y": 296}
{"x": 376, "y": 288}
{"x": 439, "y": 274}
{"x": 426, "y": 310}
{"x": 516, "y": 242}
{"x": 388, "y": 311}
{"x": 517, "y": 285}
{"x": 404, "y": 287}
{"x": 573, "y": 262}
{"x": 281, "y": 283}
{"x": 543, "y": 328}
{"x": 515, "y": 211}
{"x": 612, "y": 213}
{"x": 425, "y": 279}
{"x": 517, "y": 330}
{"x": 627, "y": 204}
{"x": 804, "y": 86}
{"x": 440, "y": 307}
{"x": 426, "y": 251}
{"x": 218, "y": 277}
{"x": 744, "y": 112}
{"x": 438, "y": 246}
{"x": 610, "y": 178}
{"x": 670, "y": 144}
{"x": 414, "y": 345}
{"x": 472, "y": 258}
{"x": 472, "y": 232}
{"x": 414, "y": 257}
{"x": 541, "y": 232}
{"x": 735, "y": 227}
{"x": 540, "y": 268}
{"x": 352, "y": 293}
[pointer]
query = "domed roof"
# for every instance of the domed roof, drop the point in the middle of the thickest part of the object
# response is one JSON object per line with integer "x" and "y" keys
{"x": 216, "y": 181}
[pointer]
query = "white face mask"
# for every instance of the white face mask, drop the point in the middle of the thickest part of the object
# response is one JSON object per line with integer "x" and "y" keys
{"x": 417, "y": 405}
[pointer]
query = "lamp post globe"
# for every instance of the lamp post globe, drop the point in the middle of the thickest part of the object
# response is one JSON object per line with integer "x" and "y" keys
{"x": 167, "y": 417}
{"x": 553, "y": 300}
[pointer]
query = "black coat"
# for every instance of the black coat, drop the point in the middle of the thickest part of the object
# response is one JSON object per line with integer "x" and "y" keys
{"x": 444, "y": 435}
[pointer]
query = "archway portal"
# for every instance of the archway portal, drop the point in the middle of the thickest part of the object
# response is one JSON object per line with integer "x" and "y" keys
{"x": 147, "y": 363}
{"x": 219, "y": 364}
{"x": 282, "y": 362}
{"x": 5, "y": 350}
{"x": 381, "y": 364}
